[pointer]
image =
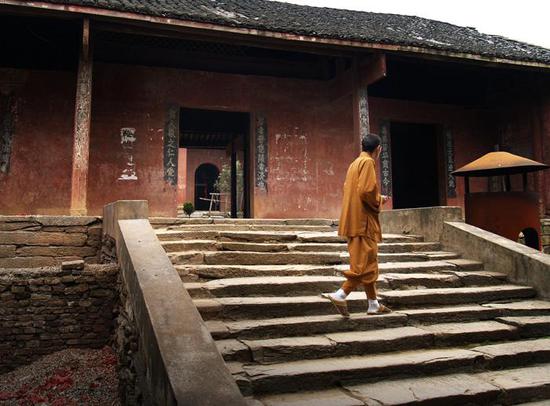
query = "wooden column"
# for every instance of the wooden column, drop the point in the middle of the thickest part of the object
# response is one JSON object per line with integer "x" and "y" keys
{"x": 234, "y": 199}
{"x": 366, "y": 71}
{"x": 81, "y": 139}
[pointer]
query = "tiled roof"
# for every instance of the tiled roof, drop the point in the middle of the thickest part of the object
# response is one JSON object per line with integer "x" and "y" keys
{"x": 331, "y": 23}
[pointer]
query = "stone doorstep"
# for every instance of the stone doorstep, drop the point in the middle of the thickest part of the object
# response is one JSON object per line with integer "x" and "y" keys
{"x": 261, "y": 307}
{"x": 252, "y": 227}
{"x": 321, "y": 373}
{"x": 374, "y": 341}
{"x": 512, "y": 385}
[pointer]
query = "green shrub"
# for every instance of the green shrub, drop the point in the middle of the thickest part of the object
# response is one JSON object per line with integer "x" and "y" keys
{"x": 188, "y": 208}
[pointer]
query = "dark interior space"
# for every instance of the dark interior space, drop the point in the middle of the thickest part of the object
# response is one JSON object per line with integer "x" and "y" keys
{"x": 205, "y": 179}
{"x": 211, "y": 129}
{"x": 447, "y": 82}
{"x": 39, "y": 43}
{"x": 414, "y": 153}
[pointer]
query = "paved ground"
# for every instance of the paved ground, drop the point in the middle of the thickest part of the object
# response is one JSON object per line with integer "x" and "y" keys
{"x": 65, "y": 378}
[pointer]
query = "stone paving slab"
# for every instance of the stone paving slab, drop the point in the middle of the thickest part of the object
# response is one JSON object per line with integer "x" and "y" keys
{"x": 521, "y": 384}
{"x": 296, "y": 326}
{"x": 331, "y": 397}
{"x": 458, "y": 389}
{"x": 529, "y": 325}
{"x": 315, "y": 374}
{"x": 479, "y": 331}
{"x": 516, "y": 353}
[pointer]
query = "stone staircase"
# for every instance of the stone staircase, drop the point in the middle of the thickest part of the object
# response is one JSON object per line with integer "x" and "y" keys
{"x": 459, "y": 334}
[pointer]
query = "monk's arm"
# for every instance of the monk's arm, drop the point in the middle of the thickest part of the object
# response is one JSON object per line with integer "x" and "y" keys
{"x": 367, "y": 187}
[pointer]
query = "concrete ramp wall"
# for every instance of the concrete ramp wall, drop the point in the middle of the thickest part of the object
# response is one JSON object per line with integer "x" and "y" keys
{"x": 176, "y": 362}
{"x": 522, "y": 264}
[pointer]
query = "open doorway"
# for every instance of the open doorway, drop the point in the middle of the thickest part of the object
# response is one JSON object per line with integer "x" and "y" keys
{"x": 217, "y": 149}
{"x": 415, "y": 165}
{"x": 206, "y": 176}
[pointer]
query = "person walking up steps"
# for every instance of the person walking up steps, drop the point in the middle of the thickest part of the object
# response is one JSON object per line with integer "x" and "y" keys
{"x": 359, "y": 223}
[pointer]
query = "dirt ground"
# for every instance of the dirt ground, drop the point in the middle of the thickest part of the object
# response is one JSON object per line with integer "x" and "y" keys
{"x": 65, "y": 378}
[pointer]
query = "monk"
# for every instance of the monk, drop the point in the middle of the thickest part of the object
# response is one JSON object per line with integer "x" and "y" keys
{"x": 359, "y": 223}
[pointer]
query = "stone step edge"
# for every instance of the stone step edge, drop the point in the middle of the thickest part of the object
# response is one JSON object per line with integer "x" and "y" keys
{"x": 386, "y": 280}
{"x": 456, "y": 388}
{"x": 245, "y": 307}
{"x": 318, "y": 373}
{"x": 401, "y": 338}
{"x": 222, "y": 329}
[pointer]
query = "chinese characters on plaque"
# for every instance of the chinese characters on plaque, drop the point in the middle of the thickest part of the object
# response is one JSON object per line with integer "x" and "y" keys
{"x": 171, "y": 145}
{"x": 261, "y": 152}
{"x": 385, "y": 159}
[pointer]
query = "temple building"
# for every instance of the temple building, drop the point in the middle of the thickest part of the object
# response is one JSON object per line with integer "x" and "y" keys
{"x": 107, "y": 100}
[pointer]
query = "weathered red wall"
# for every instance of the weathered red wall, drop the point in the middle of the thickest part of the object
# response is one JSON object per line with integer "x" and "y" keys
{"x": 306, "y": 133}
{"x": 473, "y": 132}
{"x": 39, "y": 178}
{"x": 197, "y": 157}
{"x": 311, "y": 140}
{"x": 545, "y": 119}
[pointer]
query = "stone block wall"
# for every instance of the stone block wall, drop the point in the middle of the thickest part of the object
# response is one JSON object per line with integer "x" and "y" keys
{"x": 44, "y": 310}
{"x": 35, "y": 241}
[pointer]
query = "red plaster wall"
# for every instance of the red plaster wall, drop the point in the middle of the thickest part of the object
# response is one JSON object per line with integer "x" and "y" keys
{"x": 306, "y": 132}
{"x": 310, "y": 138}
{"x": 39, "y": 179}
{"x": 197, "y": 157}
{"x": 545, "y": 119}
{"x": 473, "y": 131}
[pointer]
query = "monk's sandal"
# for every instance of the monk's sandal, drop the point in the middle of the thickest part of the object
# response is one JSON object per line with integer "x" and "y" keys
{"x": 381, "y": 310}
{"x": 340, "y": 305}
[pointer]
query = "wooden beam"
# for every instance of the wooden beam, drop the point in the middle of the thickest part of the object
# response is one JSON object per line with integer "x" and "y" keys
{"x": 372, "y": 69}
{"x": 81, "y": 140}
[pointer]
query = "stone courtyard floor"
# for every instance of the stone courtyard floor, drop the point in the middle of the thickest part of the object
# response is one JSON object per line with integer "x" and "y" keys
{"x": 65, "y": 378}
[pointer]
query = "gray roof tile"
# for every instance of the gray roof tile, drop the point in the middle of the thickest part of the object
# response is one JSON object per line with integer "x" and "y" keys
{"x": 331, "y": 23}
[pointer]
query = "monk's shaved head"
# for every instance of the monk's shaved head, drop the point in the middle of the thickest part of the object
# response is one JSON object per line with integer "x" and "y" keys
{"x": 370, "y": 142}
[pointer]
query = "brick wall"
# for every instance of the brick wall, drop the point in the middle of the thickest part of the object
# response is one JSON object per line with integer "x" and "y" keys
{"x": 44, "y": 310}
{"x": 34, "y": 241}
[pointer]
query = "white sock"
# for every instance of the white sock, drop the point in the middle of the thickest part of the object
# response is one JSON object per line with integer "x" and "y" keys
{"x": 340, "y": 294}
{"x": 374, "y": 306}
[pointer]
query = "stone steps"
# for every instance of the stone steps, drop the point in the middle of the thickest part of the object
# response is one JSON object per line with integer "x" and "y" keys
{"x": 293, "y": 258}
{"x": 328, "y": 372}
{"x": 257, "y": 287}
{"x": 239, "y": 271}
{"x": 531, "y": 313}
{"x": 214, "y": 245}
{"x": 340, "y": 344}
{"x": 483, "y": 388}
{"x": 269, "y": 236}
{"x": 313, "y": 285}
{"x": 261, "y": 307}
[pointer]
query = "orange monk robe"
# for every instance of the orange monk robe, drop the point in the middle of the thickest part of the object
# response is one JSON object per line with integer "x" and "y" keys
{"x": 359, "y": 221}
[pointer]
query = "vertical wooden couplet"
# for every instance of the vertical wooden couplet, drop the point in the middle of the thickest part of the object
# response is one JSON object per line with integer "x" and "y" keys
{"x": 360, "y": 113}
{"x": 81, "y": 140}
{"x": 385, "y": 159}
{"x": 366, "y": 71}
{"x": 234, "y": 199}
